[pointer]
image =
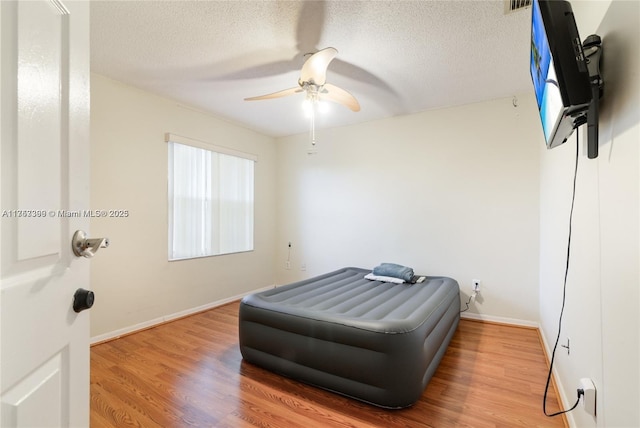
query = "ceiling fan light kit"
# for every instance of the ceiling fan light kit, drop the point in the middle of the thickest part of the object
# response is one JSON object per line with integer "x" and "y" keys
{"x": 312, "y": 81}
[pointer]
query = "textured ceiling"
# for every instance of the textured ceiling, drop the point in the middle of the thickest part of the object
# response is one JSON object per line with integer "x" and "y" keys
{"x": 395, "y": 57}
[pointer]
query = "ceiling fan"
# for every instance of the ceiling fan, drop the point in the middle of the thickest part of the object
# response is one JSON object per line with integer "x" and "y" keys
{"x": 312, "y": 81}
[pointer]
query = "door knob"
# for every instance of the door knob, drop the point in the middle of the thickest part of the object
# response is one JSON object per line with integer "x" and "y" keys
{"x": 85, "y": 247}
{"x": 82, "y": 299}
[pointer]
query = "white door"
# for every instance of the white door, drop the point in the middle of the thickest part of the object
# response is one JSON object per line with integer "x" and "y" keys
{"x": 44, "y": 131}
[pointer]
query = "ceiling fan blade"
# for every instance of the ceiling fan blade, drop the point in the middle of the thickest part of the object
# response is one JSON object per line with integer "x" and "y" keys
{"x": 314, "y": 69}
{"x": 278, "y": 94}
{"x": 333, "y": 93}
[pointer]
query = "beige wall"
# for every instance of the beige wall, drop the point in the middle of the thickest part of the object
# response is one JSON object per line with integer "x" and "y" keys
{"x": 132, "y": 279}
{"x": 449, "y": 192}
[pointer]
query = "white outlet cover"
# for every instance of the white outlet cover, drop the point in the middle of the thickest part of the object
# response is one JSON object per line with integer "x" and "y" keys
{"x": 589, "y": 398}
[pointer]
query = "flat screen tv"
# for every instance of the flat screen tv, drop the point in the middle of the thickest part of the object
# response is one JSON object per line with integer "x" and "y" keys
{"x": 558, "y": 70}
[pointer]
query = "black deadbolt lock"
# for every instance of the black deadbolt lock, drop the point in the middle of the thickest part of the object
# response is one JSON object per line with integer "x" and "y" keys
{"x": 82, "y": 299}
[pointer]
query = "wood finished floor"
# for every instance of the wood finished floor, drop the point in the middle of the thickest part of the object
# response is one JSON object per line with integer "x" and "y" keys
{"x": 189, "y": 373}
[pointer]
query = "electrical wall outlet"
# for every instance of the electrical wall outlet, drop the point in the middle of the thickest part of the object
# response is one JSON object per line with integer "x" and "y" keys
{"x": 476, "y": 285}
{"x": 287, "y": 265}
{"x": 589, "y": 395}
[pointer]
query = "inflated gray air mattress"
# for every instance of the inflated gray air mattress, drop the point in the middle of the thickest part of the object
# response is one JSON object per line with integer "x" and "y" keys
{"x": 373, "y": 341}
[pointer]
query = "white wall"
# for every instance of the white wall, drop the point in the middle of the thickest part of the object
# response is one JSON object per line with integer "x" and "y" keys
{"x": 132, "y": 279}
{"x": 601, "y": 314}
{"x": 450, "y": 192}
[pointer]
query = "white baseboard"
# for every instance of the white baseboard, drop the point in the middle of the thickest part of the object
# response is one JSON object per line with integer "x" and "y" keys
{"x": 501, "y": 320}
{"x": 160, "y": 320}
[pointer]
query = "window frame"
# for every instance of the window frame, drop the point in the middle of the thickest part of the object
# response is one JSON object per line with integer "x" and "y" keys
{"x": 186, "y": 141}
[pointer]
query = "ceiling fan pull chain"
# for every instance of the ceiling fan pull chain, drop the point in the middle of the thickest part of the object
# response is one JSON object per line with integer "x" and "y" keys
{"x": 313, "y": 123}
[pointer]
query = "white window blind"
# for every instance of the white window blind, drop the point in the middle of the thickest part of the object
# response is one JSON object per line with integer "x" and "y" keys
{"x": 210, "y": 200}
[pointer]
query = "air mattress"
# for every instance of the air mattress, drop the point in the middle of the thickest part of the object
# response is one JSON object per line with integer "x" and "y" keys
{"x": 373, "y": 341}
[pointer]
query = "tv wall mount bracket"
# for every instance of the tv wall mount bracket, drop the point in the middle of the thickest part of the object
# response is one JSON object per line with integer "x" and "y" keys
{"x": 592, "y": 47}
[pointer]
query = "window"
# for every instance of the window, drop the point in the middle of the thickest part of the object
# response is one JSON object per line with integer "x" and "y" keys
{"x": 210, "y": 199}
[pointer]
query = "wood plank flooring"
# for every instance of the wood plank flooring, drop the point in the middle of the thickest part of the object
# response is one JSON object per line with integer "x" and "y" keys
{"x": 189, "y": 373}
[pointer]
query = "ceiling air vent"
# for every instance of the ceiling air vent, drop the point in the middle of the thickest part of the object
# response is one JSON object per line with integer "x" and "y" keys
{"x": 514, "y": 5}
